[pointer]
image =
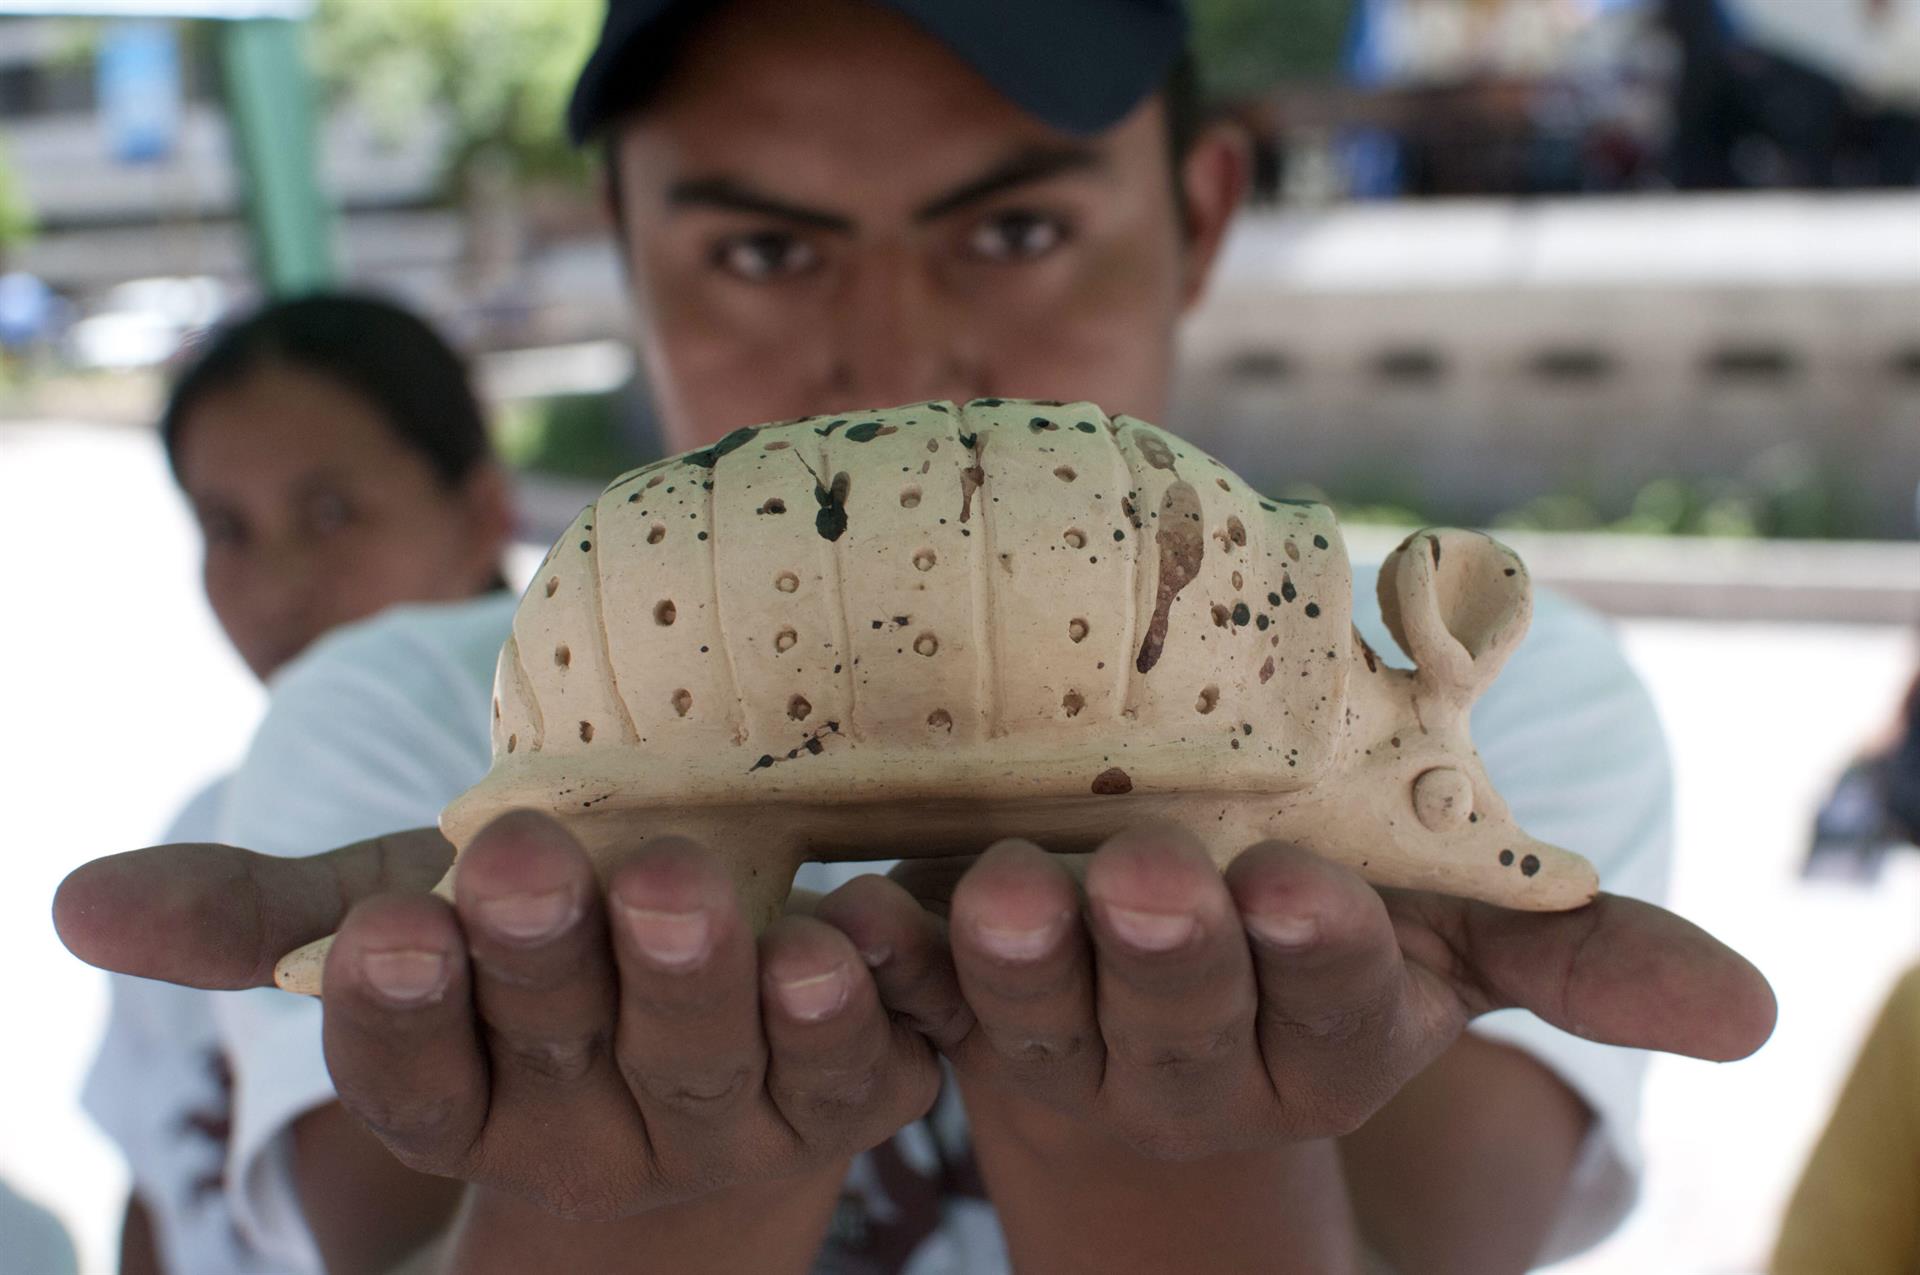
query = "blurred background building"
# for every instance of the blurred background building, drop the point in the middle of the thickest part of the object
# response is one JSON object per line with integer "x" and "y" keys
{"x": 1635, "y": 281}
{"x": 1659, "y": 254}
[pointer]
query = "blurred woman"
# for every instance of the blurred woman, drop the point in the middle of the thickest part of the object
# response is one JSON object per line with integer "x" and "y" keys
{"x": 337, "y": 464}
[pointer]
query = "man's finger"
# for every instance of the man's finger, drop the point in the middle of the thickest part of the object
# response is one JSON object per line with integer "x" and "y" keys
{"x": 1027, "y": 972}
{"x": 1617, "y": 970}
{"x": 219, "y": 917}
{"x": 844, "y": 1076}
{"x": 1175, "y": 988}
{"x": 906, "y": 948}
{"x": 542, "y": 970}
{"x": 688, "y": 1041}
{"x": 1342, "y": 1025}
{"x": 401, "y": 1041}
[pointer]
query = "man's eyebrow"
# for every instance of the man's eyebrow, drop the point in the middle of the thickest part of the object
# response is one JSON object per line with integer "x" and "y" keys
{"x": 1032, "y": 164}
{"x": 1035, "y": 163}
{"x": 724, "y": 192}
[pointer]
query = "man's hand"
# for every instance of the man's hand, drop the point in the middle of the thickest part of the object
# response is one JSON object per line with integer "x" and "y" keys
{"x": 600, "y": 1049}
{"x": 1189, "y": 1014}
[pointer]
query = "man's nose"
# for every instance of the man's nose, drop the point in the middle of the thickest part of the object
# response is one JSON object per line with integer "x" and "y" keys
{"x": 898, "y": 339}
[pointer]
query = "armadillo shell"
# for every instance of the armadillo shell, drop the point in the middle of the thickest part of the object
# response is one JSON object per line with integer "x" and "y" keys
{"x": 928, "y": 603}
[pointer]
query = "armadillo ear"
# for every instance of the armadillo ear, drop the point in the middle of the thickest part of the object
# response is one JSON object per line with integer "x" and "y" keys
{"x": 1457, "y": 602}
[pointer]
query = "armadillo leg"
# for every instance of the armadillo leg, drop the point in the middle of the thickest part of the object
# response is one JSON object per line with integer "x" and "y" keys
{"x": 301, "y": 970}
{"x": 763, "y": 879}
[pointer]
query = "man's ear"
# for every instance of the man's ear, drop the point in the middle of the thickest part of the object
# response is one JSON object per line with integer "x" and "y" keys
{"x": 1213, "y": 182}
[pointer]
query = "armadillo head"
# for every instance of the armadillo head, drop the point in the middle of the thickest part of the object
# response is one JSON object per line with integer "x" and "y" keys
{"x": 1458, "y": 603}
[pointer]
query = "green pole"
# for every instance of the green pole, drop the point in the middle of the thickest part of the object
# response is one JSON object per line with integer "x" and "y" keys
{"x": 270, "y": 110}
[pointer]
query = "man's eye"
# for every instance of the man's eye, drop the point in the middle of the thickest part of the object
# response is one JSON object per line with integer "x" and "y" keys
{"x": 771, "y": 254}
{"x": 1016, "y": 236}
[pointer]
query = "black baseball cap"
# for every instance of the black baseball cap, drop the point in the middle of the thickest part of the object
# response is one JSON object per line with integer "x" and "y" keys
{"x": 1079, "y": 65}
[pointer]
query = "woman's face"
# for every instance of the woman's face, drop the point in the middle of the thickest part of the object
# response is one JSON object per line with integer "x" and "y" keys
{"x": 315, "y": 514}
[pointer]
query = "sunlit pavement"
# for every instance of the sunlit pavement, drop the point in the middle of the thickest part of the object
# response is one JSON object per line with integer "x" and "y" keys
{"x": 119, "y": 698}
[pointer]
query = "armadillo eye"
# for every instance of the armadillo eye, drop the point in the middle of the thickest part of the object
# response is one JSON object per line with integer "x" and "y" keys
{"x": 1442, "y": 798}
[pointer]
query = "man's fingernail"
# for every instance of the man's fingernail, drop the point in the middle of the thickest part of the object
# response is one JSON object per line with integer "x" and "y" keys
{"x": 1284, "y": 931}
{"x": 408, "y": 976}
{"x": 672, "y": 939}
{"x": 1011, "y": 943}
{"x": 527, "y": 918}
{"x": 1150, "y": 931}
{"x": 815, "y": 996}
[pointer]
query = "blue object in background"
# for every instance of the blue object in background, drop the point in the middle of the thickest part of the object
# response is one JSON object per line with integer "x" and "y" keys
{"x": 26, "y": 310}
{"x": 138, "y": 81}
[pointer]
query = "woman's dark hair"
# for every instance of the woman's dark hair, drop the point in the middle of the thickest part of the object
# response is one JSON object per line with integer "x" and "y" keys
{"x": 385, "y": 354}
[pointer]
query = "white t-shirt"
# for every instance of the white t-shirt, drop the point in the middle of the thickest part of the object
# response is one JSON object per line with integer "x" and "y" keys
{"x": 161, "y": 1089}
{"x": 32, "y": 1241}
{"x": 381, "y": 724}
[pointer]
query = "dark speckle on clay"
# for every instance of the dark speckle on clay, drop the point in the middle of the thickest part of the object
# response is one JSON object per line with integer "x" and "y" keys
{"x": 1181, "y": 544}
{"x": 707, "y": 457}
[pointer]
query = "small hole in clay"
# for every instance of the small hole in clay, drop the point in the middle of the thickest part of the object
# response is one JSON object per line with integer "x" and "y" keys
{"x": 925, "y": 559}
{"x": 586, "y": 732}
{"x": 1065, "y": 473}
{"x": 665, "y": 613}
{"x": 513, "y": 742}
{"x": 1073, "y": 703}
{"x": 1238, "y": 581}
{"x": 553, "y": 585}
{"x": 940, "y": 719}
{"x": 1076, "y": 538}
{"x": 779, "y": 446}
{"x": 1236, "y": 531}
{"x": 496, "y": 710}
{"x": 562, "y": 656}
{"x": 682, "y": 701}
{"x": 926, "y": 644}
{"x": 1220, "y": 616}
{"x": 798, "y": 708}
{"x": 909, "y": 497}
{"x": 774, "y": 505}
{"x": 656, "y": 480}
{"x": 1209, "y": 696}
{"x": 933, "y": 444}
{"x": 784, "y": 639}
{"x": 786, "y": 582}
{"x": 1223, "y": 484}
{"x": 658, "y": 533}
{"x": 1076, "y": 630}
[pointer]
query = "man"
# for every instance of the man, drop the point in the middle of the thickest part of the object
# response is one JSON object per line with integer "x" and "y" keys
{"x": 824, "y": 205}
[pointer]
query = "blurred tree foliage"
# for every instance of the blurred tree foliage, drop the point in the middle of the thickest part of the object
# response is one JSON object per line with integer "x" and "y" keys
{"x": 1245, "y": 47}
{"x": 499, "y": 70}
{"x": 16, "y": 215}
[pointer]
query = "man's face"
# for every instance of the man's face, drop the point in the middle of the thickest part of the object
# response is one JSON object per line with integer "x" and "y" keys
{"x": 824, "y": 209}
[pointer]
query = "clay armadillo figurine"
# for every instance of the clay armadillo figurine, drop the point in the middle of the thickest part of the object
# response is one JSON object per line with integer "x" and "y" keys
{"x": 915, "y": 631}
